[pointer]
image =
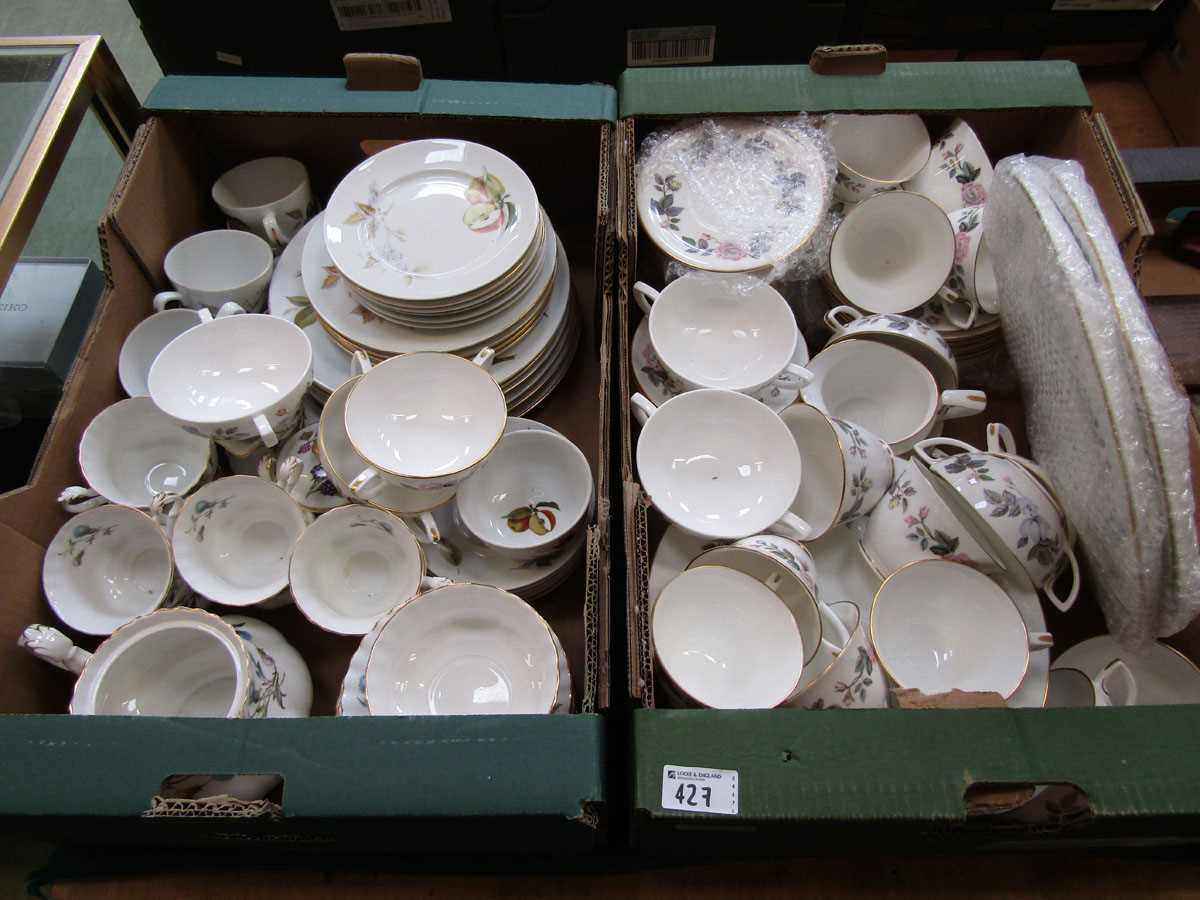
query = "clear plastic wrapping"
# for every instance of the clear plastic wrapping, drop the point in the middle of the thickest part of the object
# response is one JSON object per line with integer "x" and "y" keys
{"x": 738, "y": 195}
{"x": 1103, "y": 415}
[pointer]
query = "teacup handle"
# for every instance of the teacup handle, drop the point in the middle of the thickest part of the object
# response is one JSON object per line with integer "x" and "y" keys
{"x": 228, "y": 308}
{"x": 951, "y": 301}
{"x": 288, "y": 472}
{"x": 642, "y": 408}
{"x": 52, "y": 646}
{"x": 959, "y": 404}
{"x": 1065, "y": 603}
{"x": 265, "y": 431}
{"x": 645, "y": 296}
{"x": 923, "y": 448}
{"x": 834, "y": 321}
{"x": 791, "y": 526}
{"x": 77, "y": 499}
{"x": 841, "y": 632}
{"x": 272, "y": 230}
{"x": 164, "y": 509}
{"x": 1040, "y": 640}
{"x": 485, "y": 359}
{"x": 169, "y": 300}
{"x": 360, "y": 363}
{"x": 1115, "y": 670}
{"x": 794, "y": 373}
{"x": 1000, "y": 439}
{"x": 367, "y": 483}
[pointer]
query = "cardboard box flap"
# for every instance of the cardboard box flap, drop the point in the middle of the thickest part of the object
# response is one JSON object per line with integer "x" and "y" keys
{"x": 902, "y": 86}
{"x": 452, "y": 766}
{"x": 434, "y": 97}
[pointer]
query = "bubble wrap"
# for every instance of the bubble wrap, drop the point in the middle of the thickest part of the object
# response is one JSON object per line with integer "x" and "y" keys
{"x": 1084, "y": 410}
{"x": 745, "y": 193}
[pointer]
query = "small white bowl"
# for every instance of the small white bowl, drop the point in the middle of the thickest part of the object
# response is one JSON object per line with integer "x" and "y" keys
{"x": 353, "y": 565}
{"x": 939, "y": 626}
{"x": 530, "y": 497}
{"x": 425, "y": 420}
{"x": 463, "y": 649}
{"x": 145, "y": 342}
{"x": 105, "y": 567}
{"x": 131, "y": 451}
{"x": 233, "y": 539}
{"x": 726, "y": 641}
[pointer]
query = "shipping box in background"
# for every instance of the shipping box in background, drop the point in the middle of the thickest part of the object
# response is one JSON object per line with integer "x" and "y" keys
{"x": 404, "y": 785}
{"x": 881, "y": 779}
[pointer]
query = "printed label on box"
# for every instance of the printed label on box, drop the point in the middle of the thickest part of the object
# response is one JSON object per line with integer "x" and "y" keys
{"x": 670, "y": 46}
{"x": 1105, "y": 5}
{"x": 360, "y": 15}
{"x": 692, "y": 789}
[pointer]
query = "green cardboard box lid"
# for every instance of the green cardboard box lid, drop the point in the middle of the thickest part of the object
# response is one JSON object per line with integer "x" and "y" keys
{"x": 434, "y": 97}
{"x": 696, "y": 90}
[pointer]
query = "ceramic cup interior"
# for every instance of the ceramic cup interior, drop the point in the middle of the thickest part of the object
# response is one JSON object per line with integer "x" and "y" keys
{"x": 353, "y": 565}
{"x": 463, "y": 649}
{"x": 718, "y": 463}
{"x": 230, "y": 369}
{"x": 819, "y": 499}
{"x": 106, "y": 566}
{"x": 131, "y": 451}
{"x": 169, "y": 669}
{"x": 259, "y": 182}
{"x": 881, "y": 388}
{"x": 892, "y": 252}
{"x": 887, "y": 148}
{"x": 233, "y": 539}
{"x": 145, "y": 342}
{"x": 719, "y": 331}
{"x": 533, "y": 491}
{"x": 223, "y": 260}
{"x": 425, "y": 415}
{"x": 722, "y": 654}
{"x": 939, "y": 626}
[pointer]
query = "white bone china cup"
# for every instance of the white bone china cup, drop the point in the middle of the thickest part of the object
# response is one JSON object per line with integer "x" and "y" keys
{"x": 1114, "y": 685}
{"x": 905, "y": 333}
{"x": 212, "y": 268}
{"x": 958, "y": 173}
{"x": 270, "y": 196}
{"x": 146, "y": 341}
{"x": 719, "y": 464}
{"x": 971, "y": 286}
{"x": 876, "y": 152}
{"x": 723, "y": 331}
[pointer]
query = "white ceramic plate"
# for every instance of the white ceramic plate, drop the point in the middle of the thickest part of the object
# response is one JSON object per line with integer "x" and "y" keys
{"x": 549, "y": 376}
{"x": 338, "y": 306}
{"x": 749, "y": 197}
{"x": 660, "y": 386}
{"x": 287, "y": 299}
{"x": 842, "y": 572}
{"x": 1163, "y": 675}
{"x": 430, "y": 219}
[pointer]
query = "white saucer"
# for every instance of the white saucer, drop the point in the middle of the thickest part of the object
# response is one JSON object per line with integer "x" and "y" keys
{"x": 843, "y": 575}
{"x": 1163, "y": 674}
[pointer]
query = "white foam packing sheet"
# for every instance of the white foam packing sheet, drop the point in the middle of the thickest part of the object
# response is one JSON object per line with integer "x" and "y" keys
{"x": 1103, "y": 414}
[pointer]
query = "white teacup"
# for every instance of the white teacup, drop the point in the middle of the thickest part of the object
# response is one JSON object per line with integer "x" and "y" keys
{"x": 847, "y": 469}
{"x": 107, "y": 566}
{"x": 237, "y": 380}
{"x": 354, "y": 564}
{"x": 971, "y": 286}
{"x": 892, "y": 252}
{"x": 723, "y": 654}
{"x": 181, "y": 662}
{"x": 132, "y": 452}
{"x": 212, "y": 268}
{"x": 905, "y": 333}
{"x": 530, "y": 497}
{"x": 1114, "y": 685}
{"x": 958, "y": 173}
{"x": 146, "y": 341}
{"x": 233, "y": 539}
{"x": 876, "y": 152}
{"x": 719, "y": 464}
{"x": 424, "y": 420}
{"x": 886, "y": 391}
{"x": 723, "y": 331}
{"x": 791, "y": 553}
{"x": 845, "y": 677}
{"x": 270, "y": 196}
{"x": 939, "y": 626}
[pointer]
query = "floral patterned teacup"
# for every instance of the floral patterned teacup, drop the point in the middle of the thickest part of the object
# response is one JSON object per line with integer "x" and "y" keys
{"x": 848, "y": 677}
{"x": 791, "y": 553}
{"x": 876, "y": 152}
{"x": 958, "y": 173}
{"x": 269, "y": 196}
{"x": 180, "y": 662}
{"x": 847, "y": 469}
{"x": 299, "y": 471}
{"x": 972, "y": 282}
{"x": 913, "y": 522}
{"x": 233, "y": 539}
{"x": 109, "y": 565}
{"x": 1010, "y": 510}
{"x": 905, "y": 333}
{"x": 212, "y": 268}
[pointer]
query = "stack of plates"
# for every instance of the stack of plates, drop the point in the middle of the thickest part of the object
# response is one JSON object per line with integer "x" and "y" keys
{"x": 434, "y": 245}
{"x": 974, "y": 344}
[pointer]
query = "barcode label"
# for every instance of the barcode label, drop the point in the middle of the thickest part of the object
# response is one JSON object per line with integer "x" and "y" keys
{"x": 670, "y": 46}
{"x": 359, "y": 15}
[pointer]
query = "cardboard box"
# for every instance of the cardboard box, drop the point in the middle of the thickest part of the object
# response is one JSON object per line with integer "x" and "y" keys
{"x": 889, "y": 778}
{"x": 1172, "y": 72}
{"x": 406, "y": 785}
